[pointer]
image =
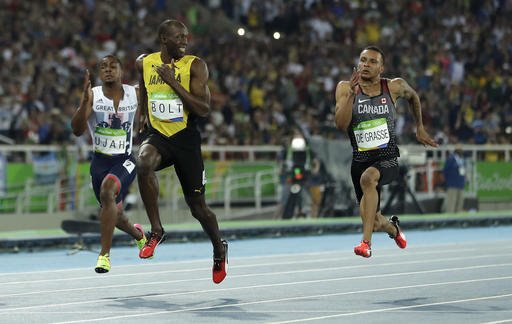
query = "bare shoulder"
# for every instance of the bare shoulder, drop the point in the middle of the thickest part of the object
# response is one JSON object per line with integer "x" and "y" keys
{"x": 343, "y": 87}
{"x": 199, "y": 63}
{"x": 399, "y": 87}
{"x": 343, "y": 83}
{"x": 397, "y": 83}
{"x": 199, "y": 67}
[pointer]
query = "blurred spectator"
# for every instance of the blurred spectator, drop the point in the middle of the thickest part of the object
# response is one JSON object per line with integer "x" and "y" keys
{"x": 315, "y": 184}
{"x": 454, "y": 173}
{"x": 457, "y": 54}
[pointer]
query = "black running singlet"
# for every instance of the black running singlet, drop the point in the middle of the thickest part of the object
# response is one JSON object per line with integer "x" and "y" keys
{"x": 372, "y": 128}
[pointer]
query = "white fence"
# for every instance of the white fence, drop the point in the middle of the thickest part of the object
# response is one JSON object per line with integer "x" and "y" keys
{"x": 427, "y": 161}
{"x": 424, "y": 163}
{"x": 25, "y": 153}
{"x": 66, "y": 194}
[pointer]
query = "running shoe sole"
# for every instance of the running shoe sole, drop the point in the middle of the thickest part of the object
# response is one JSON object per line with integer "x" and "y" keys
{"x": 103, "y": 264}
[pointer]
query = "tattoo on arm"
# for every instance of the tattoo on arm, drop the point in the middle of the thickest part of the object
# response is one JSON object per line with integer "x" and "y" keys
{"x": 414, "y": 102}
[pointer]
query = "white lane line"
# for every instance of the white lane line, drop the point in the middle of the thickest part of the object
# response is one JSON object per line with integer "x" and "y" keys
{"x": 158, "y": 283}
{"x": 410, "y": 251}
{"x": 500, "y": 322}
{"x": 240, "y": 288}
{"x": 151, "y": 262}
{"x": 2, "y": 311}
{"x": 149, "y": 273}
{"x": 383, "y": 310}
{"x": 272, "y": 264}
{"x": 281, "y": 300}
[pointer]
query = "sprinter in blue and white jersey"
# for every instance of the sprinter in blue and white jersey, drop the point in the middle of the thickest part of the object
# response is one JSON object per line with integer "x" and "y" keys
{"x": 109, "y": 111}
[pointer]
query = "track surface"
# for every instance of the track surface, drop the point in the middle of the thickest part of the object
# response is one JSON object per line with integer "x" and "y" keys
{"x": 448, "y": 276}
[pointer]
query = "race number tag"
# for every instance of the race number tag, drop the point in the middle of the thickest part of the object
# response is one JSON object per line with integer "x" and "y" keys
{"x": 109, "y": 141}
{"x": 372, "y": 134}
{"x": 166, "y": 107}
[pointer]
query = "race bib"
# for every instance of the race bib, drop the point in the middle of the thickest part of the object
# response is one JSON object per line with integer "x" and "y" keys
{"x": 166, "y": 107}
{"x": 372, "y": 134}
{"x": 109, "y": 141}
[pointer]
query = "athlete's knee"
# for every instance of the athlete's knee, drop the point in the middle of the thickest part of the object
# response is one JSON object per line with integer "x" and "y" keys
{"x": 198, "y": 208}
{"x": 108, "y": 190}
{"x": 368, "y": 181}
{"x": 107, "y": 196}
{"x": 145, "y": 166}
{"x": 147, "y": 160}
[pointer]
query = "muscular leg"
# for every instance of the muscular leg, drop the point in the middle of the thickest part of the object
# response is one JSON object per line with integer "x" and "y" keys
{"x": 383, "y": 225}
{"x": 208, "y": 221}
{"x": 369, "y": 202}
{"x": 124, "y": 224}
{"x": 108, "y": 213}
{"x": 148, "y": 160}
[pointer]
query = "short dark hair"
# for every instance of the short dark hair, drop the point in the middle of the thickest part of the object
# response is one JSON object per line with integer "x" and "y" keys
{"x": 162, "y": 29}
{"x": 113, "y": 57}
{"x": 376, "y": 49}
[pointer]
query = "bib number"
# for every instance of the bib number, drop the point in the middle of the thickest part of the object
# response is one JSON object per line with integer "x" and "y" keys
{"x": 372, "y": 134}
{"x": 109, "y": 141}
{"x": 166, "y": 107}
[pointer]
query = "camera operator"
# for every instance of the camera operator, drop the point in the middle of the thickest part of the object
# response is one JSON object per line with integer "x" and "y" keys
{"x": 296, "y": 170}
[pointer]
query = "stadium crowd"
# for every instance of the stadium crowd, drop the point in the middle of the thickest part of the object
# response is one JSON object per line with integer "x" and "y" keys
{"x": 456, "y": 54}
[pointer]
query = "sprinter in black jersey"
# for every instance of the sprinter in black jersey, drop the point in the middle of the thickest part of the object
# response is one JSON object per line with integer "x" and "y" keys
{"x": 365, "y": 109}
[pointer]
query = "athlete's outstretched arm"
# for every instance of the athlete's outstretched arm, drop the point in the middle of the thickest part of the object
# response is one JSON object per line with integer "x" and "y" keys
{"x": 198, "y": 99}
{"x": 400, "y": 88}
{"x": 79, "y": 119}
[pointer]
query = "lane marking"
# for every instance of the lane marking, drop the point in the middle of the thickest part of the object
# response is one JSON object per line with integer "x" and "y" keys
{"x": 287, "y": 299}
{"x": 257, "y": 286}
{"x": 411, "y": 250}
{"x": 268, "y": 274}
{"x": 301, "y": 261}
{"x": 382, "y": 310}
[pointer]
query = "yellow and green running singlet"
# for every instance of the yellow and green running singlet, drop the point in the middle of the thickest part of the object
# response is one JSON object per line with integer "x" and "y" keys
{"x": 165, "y": 109}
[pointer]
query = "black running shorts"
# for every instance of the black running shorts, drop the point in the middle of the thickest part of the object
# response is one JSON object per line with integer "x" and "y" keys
{"x": 183, "y": 150}
{"x": 388, "y": 169}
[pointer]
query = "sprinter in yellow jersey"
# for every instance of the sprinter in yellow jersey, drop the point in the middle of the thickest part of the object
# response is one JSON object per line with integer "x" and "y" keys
{"x": 173, "y": 92}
